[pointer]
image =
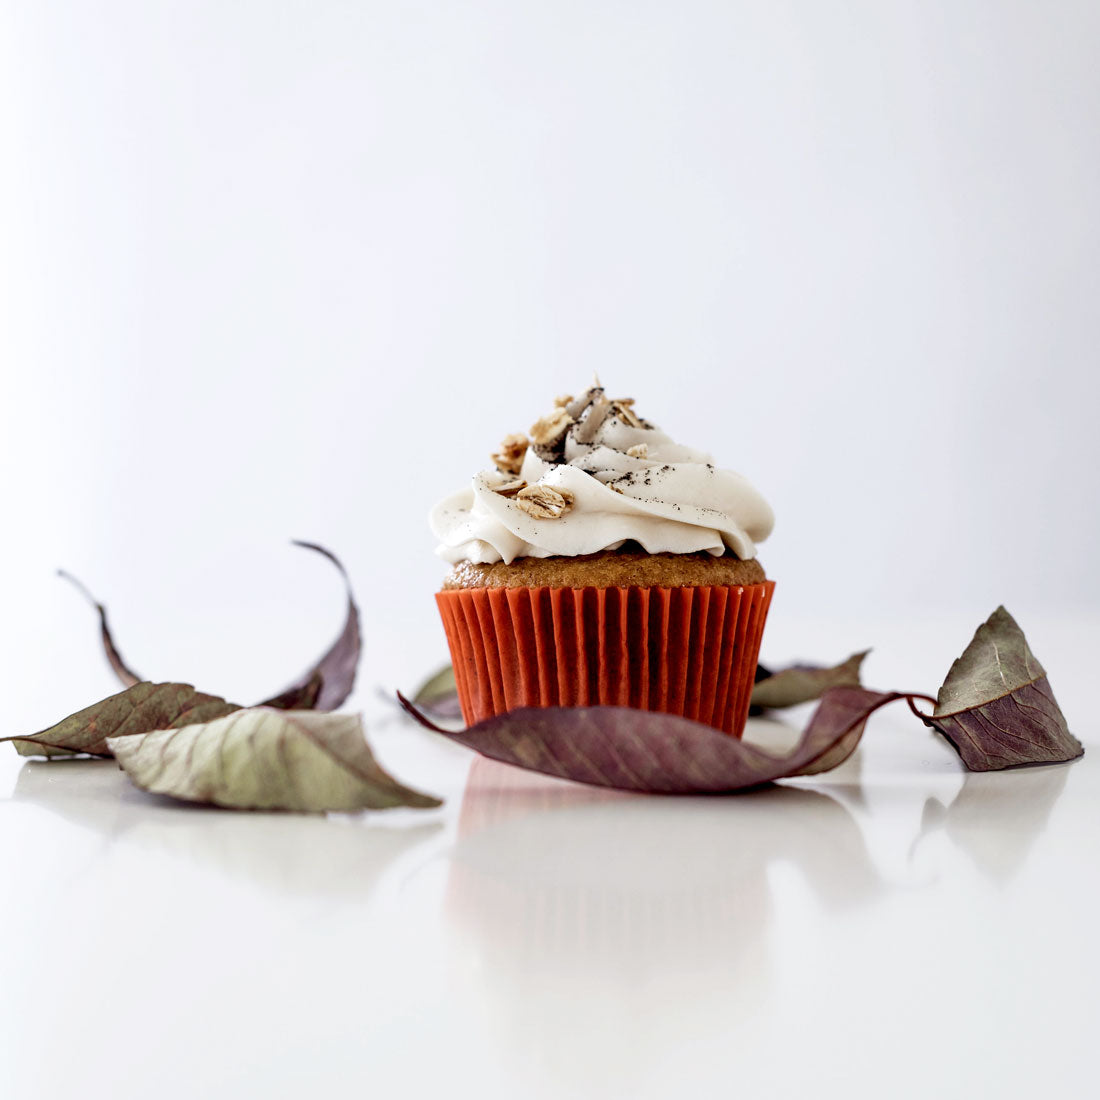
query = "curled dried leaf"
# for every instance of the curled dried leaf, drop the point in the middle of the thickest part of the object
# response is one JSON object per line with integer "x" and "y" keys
{"x": 330, "y": 681}
{"x": 509, "y": 457}
{"x": 996, "y": 707}
{"x": 325, "y": 686}
{"x": 544, "y": 502}
{"x": 266, "y": 759}
{"x": 126, "y": 675}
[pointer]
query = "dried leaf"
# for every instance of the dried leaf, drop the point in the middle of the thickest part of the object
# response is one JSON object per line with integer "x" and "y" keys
{"x": 637, "y": 750}
{"x": 136, "y": 710}
{"x": 996, "y": 707}
{"x": 325, "y": 686}
{"x": 803, "y": 683}
{"x": 439, "y": 694}
{"x": 126, "y": 675}
{"x": 330, "y": 681}
{"x": 267, "y": 759}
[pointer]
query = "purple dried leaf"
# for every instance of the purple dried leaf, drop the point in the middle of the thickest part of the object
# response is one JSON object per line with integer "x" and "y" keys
{"x": 325, "y": 686}
{"x": 126, "y": 675}
{"x": 329, "y": 682}
{"x": 637, "y": 750}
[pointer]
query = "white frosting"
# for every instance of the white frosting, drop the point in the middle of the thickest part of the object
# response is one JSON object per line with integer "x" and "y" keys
{"x": 672, "y": 500}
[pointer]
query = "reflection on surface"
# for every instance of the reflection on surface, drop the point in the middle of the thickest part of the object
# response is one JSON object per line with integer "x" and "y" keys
{"x": 598, "y": 907}
{"x": 290, "y": 853}
{"x": 567, "y": 855}
{"x": 997, "y": 816}
{"x": 592, "y": 903}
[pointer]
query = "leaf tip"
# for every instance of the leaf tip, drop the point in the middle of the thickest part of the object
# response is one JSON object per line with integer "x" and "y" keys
{"x": 416, "y": 714}
{"x": 317, "y": 548}
{"x": 79, "y": 585}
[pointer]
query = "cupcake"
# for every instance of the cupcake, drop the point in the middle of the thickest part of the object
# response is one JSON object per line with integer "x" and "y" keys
{"x": 599, "y": 562}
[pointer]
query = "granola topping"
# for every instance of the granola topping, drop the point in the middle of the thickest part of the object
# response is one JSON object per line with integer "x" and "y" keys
{"x": 626, "y": 414}
{"x": 604, "y": 476}
{"x": 547, "y": 430}
{"x": 509, "y": 456}
{"x": 544, "y": 501}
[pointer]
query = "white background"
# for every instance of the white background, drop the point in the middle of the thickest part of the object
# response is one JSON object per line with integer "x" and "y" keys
{"x": 274, "y": 270}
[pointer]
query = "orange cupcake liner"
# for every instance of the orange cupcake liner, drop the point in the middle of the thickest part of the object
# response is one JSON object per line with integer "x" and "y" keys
{"x": 688, "y": 650}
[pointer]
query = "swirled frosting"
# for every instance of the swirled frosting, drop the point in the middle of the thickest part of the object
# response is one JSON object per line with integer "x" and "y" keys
{"x": 593, "y": 476}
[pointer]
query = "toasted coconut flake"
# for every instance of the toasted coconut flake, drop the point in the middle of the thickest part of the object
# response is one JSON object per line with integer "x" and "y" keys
{"x": 509, "y": 458}
{"x": 579, "y": 404}
{"x": 593, "y": 420}
{"x": 544, "y": 501}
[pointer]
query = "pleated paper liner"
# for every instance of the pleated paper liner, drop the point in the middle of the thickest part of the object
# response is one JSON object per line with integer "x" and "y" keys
{"x": 686, "y": 650}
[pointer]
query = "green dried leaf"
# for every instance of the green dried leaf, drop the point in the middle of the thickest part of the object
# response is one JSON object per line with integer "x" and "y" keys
{"x": 996, "y": 707}
{"x": 267, "y": 759}
{"x": 439, "y": 694}
{"x": 804, "y": 683}
{"x": 440, "y": 685}
{"x": 136, "y": 710}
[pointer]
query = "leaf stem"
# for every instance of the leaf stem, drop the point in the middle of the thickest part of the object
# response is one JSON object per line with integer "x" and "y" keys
{"x": 924, "y": 698}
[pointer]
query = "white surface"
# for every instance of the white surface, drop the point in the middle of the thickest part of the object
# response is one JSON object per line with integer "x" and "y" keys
{"x": 895, "y": 928}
